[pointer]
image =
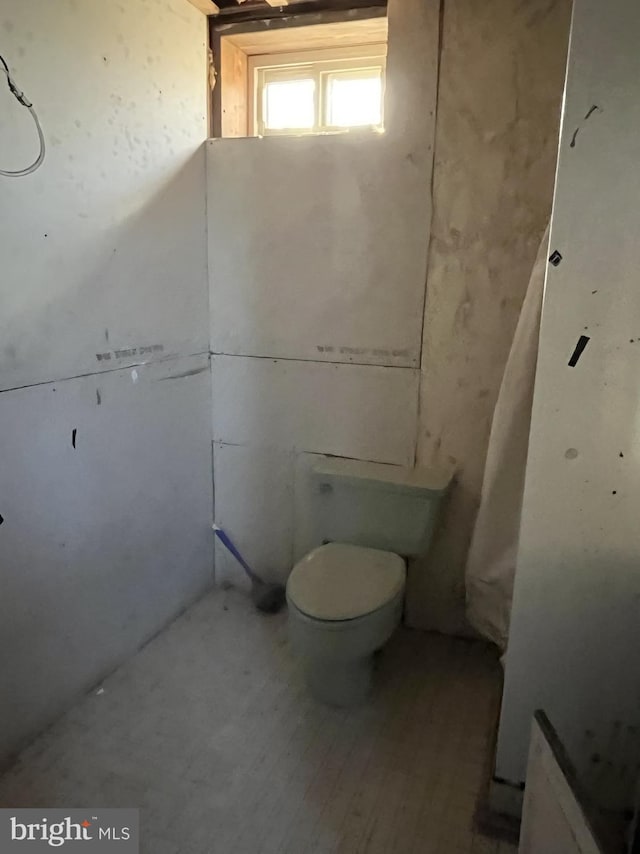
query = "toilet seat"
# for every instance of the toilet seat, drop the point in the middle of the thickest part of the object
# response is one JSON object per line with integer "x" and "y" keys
{"x": 343, "y": 582}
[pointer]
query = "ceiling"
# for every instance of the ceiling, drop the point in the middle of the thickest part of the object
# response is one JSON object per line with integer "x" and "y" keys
{"x": 242, "y": 9}
{"x": 290, "y": 39}
{"x": 233, "y": 4}
{"x": 261, "y": 4}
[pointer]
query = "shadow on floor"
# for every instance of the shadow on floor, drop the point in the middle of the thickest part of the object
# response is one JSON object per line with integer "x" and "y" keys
{"x": 210, "y": 732}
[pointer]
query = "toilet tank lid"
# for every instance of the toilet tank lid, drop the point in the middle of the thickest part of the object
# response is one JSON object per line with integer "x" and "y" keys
{"x": 433, "y": 479}
{"x": 339, "y": 581}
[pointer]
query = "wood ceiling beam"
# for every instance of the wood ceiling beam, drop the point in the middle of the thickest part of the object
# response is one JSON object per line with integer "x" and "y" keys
{"x": 208, "y": 7}
{"x": 278, "y": 2}
{"x": 239, "y": 18}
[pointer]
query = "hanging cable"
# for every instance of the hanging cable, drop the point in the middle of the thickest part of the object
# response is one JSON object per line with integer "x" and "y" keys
{"x": 22, "y": 99}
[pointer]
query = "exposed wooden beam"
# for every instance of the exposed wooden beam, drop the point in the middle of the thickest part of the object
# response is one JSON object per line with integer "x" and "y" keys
{"x": 372, "y": 31}
{"x": 206, "y": 6}
{"x": 278, "y": 2}
{"x": 239, "y": 19}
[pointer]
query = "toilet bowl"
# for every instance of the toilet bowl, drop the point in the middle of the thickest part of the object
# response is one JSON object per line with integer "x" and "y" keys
{"x": 345, "y": 602}
{"x": 346, "y": 596}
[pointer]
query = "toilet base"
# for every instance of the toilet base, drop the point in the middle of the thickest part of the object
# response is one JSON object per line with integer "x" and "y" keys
{"x": 337, "y": 656}
{"x": 340, "y": 683}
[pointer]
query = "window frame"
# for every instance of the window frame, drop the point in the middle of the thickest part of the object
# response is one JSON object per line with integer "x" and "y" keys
{"x": 319, "y": 65}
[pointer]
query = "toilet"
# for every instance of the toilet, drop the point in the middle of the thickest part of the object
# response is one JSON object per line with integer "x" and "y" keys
{"x": 346, "y": 595}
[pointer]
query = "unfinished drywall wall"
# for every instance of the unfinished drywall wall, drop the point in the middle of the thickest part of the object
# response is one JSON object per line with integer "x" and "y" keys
{"x": 317, "y": 292}
{"x": 554, "y": 820}
{"x": 320, "y": 248}
{"x": 320, "y": 241}
{"x": 106, "y": 535}
{"x": 501, "y": 80}
{"x": 102, "y": 244}
{"x": 268, "y": 412}
{"x": 105, "y": 473}
{"x": 576, "y": 612}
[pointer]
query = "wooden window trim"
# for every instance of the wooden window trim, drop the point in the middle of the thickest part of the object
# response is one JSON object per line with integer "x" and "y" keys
{"x": 316, "y": 64}
{"x": 272, "y": 19}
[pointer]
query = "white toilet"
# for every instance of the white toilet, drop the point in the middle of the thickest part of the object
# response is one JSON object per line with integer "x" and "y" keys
{"x": 345, "y": 597}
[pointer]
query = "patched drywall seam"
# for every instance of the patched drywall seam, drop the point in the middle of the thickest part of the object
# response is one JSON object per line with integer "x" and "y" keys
{"x": 432, "y": 203}
{"x": 501, "y": 80}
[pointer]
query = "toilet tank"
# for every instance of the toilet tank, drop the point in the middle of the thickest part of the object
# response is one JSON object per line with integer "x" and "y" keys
{"x": 381, "y": 506}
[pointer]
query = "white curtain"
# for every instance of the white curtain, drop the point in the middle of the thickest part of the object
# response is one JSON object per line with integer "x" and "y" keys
{"x": 492, "y": 557}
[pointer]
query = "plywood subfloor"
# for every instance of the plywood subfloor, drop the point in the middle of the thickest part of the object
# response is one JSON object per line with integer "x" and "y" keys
{"x": 209, "y": 730}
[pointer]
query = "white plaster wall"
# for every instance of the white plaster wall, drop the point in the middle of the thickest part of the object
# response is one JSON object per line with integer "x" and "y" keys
{"x": 575, "y": 626}
{"x": 103, "y": 254}
{"x": 103, "y": 249}
{"x": 501, "y": 79}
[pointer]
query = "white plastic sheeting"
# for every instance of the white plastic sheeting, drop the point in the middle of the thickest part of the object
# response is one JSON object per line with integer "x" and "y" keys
{"x": 492, "y": 557}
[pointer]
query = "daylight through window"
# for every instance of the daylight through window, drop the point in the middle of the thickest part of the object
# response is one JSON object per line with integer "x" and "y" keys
{"x": 315, "y": 92}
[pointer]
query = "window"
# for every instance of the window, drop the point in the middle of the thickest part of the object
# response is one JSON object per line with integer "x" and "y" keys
{"x": 325, "y": 91}
{"x": 276, "y": 78}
